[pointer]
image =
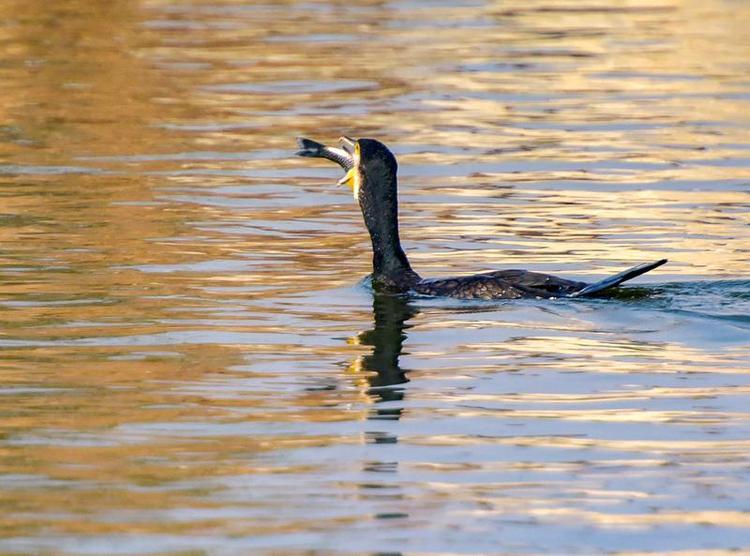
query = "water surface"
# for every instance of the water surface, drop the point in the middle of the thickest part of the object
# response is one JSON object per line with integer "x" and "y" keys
{"x": 191, "y": 362}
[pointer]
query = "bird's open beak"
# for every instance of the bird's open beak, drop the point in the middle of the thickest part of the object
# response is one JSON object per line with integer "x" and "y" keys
{"x": 347, "y": 143}
{"x": 348, "y": 178}
{"x": 351, "y": 178}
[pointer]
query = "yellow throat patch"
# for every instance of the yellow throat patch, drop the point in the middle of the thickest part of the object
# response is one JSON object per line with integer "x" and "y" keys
{"x": 353, "y": 177}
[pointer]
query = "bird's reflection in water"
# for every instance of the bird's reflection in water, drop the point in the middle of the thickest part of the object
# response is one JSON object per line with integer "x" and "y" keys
{"x": 381, "y": 367}
{"x": 382, "y": 378}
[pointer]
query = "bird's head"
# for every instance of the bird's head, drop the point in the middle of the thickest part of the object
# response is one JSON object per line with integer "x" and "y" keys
{"x": 372, "y": 177}
{"x": 370, "y": 173}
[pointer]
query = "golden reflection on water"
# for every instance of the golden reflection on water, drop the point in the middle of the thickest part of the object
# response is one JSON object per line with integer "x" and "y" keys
{"x": 188, "y": 365}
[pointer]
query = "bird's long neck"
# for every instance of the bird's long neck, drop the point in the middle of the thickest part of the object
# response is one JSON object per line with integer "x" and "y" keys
{"x": 389, "y": 262}
{"x": 391, "y": 269}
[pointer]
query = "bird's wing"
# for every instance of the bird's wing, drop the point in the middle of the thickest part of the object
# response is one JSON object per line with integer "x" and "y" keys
{"x": 537, "y": 284}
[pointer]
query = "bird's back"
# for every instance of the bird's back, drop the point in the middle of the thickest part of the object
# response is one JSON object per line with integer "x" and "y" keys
{"x": 501, "y": 284}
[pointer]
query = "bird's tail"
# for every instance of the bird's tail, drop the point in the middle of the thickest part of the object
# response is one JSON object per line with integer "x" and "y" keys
{"x": 617, "y": 279}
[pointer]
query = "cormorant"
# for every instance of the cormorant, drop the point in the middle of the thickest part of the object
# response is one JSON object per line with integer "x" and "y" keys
{"x": 371, "y": 170}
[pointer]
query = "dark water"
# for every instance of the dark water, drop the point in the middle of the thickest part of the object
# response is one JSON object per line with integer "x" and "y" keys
{"x": 191, "y": 364}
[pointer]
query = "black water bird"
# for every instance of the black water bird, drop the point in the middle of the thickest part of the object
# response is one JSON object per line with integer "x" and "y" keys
{"x": 371, "y": 174}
